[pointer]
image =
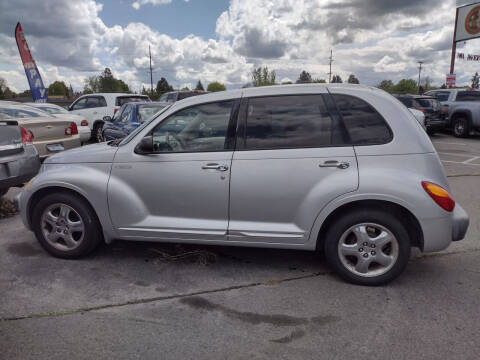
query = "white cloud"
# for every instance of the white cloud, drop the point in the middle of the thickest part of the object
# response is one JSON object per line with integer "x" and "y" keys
{"x": 374, "y": 40}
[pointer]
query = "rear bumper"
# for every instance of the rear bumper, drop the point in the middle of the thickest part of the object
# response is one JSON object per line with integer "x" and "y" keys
{"x": 438, "y": 233}
{"x": 18, "y": 169}
{"x": 435, "y": 123}
{"x": 68, "y": 143}
{"x": 460, "y": 223}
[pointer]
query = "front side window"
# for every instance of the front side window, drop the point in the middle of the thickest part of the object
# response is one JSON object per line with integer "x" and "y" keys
{"x": 194, "y": 129}
{"x": 364, "y": 124}
{"x": 80, "y": 104}
{"x": 294, "y": 121}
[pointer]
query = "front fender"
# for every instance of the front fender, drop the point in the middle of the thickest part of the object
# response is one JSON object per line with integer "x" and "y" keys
{"x": 77, "y": 178}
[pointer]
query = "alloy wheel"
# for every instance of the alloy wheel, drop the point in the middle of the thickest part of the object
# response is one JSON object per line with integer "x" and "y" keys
{"x": 62, "y": 227}
{"x": 368, "y": 249}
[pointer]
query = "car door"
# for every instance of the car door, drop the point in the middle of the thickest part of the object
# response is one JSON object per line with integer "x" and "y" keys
{"x": 96, "y": 107}
{"x": 293, "y": 157}
{"x": 180, "y": 190}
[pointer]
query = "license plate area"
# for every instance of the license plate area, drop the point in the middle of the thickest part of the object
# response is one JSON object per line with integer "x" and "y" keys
{"x": 55, "y": 147}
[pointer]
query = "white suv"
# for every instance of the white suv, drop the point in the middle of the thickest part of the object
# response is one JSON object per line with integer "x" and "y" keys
{"x": 94, "y": 107}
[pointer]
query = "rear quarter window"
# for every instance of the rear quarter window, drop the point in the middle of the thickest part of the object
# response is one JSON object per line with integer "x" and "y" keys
{"x": 364, "y": 124}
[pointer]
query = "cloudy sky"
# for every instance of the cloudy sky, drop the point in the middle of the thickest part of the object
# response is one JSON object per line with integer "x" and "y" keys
{"x": 224, "y": 39}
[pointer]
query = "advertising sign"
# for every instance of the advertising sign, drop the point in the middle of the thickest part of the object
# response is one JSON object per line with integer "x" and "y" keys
{"x": 39, "y": 92}
{"x": 450, "y": 80}
{"x": 468, "y": 22}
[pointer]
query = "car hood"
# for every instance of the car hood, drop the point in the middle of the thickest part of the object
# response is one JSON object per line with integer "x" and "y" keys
{"x": 94, "y": 153}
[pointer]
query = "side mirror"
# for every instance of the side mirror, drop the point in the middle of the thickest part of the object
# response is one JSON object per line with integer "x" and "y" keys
{"x": 107, "y": 118}
{"x": 145, "y": 146}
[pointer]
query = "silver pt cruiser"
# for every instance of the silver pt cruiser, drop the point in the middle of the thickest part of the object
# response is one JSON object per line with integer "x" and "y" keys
{"x": 342, "y": 169}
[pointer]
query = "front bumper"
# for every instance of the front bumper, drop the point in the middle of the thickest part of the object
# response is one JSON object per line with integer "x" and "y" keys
{"x": 460, "y": 223}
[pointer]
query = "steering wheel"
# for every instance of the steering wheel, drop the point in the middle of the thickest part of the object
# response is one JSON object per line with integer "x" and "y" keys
{"x": 177, "y": 143}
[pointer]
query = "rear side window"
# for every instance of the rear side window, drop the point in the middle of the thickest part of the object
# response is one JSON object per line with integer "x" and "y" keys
{"x": 128, "y": 99}
{"x": 96, "y": 101}
{"x": 364, "y": 124}
{"x": 468, "y": 96}
{"x": 295, "y": 121}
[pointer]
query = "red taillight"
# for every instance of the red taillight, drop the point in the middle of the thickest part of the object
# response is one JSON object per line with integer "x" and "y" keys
{"x": 444, "y": 110}
{"x": 84, "y": 123}
{"x": 27, "y": 135}
{"x": 71, "y": 129}
{"x": 439, "y": 195}
{"x": 420, "y": 109}
{"x": 115, "y": 111}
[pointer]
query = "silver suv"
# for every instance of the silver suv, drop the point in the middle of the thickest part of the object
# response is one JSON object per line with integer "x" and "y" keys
{"x": 342, "y": 169}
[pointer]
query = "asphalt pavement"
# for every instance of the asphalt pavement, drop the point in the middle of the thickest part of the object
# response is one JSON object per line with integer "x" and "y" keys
{"x": 158, "y": 301}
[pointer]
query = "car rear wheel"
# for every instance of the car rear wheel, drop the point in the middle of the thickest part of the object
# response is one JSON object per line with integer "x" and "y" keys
{"x": 98, "y": 132}
{"x": 461, "y": 127}
{"x": 66, "y": 226}
{"x": 368, "y": 247}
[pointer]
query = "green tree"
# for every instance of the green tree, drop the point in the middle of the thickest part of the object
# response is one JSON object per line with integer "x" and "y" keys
{"x": 263, "y": 77}
{"x": 475, "y": 80}
{"x": 386, "y": 85}
{"x": 319, "y": 81}
{"x": 186, "y": 88}
{"x": 405, "y": 86}
{"x": 91, "y": 85}
{"x": 58, "y": 88}
{"x": 352, "y": 79}
{"x": 199, "y": 86}
{"x": 304, "y": 78}
{"x": 216, "y": 86}
{"x": 336, "y": 79}
{"x": 163, "y": 86}
{"x": 105, "y": 82}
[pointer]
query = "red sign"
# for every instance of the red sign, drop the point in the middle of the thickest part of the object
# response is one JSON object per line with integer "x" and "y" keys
{"x": 450, "y": 80}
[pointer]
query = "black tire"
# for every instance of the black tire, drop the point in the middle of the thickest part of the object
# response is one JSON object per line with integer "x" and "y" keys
{"x": 98, "y": 132}
{"x": 461, "y": 127}
{"x": 348, "y": 220}
{"x": 3, "y": 191}
{"x": 92, "y": 235}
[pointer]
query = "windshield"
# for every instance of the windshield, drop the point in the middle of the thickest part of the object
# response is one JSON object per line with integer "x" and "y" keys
{"x": 427, "y": 102}
{"x": 134, "y": 133}
{"x": 145, "y": 112}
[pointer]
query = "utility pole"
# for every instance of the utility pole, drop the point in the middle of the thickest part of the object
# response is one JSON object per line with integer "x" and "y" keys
{"x": 330, "y": 60}
{"x": 151, "y": 75}
{"x": 419, "y": 72}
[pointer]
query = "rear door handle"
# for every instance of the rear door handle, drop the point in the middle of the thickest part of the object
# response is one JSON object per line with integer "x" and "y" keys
{"x": 214, "y": 166}
{"x": 335, "y": 164}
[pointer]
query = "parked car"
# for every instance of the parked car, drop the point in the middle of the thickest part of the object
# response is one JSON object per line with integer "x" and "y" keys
{"x": 339, "y": 168}
{"x": 60, "y": 113}
{"x": 173, "y": 96}
{"x": 94, "y": 107}
{"x": 19, "y": 160}
{"x": 435, "y": 115}
{"x": 51, "y": 135}
{"x": 128, "y": 118}
{"x": 463, "y": 107}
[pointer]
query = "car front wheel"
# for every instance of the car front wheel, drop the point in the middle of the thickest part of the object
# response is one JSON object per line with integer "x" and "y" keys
{"x": 66, "y": 226}
{"x": 98, "y": 133}
{"x": 368, "y": 247}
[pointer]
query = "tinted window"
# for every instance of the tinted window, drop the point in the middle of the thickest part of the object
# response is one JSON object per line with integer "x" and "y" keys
{"x": 364, "y": 124}
{"x": 468, "y": 96}
{"x": 408, "y": 102}
{"x": 171, "y": 97}
{"x": 198, "y": 128}
{"x": 428, "y": 103}
{"x": 96, "y": 101}
{"x": 297, "y": 121}
{"x": 80, "y": 104}
{"x": 441, "y": 95}
{"x": 127, "y": 99}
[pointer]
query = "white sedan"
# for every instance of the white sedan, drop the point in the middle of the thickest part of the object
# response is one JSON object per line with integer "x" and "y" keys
{"x": 61, "y": 113}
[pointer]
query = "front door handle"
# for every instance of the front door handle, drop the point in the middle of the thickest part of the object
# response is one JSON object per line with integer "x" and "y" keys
{"x": 335, "y": 164}
{"x": 214, "y": 166}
